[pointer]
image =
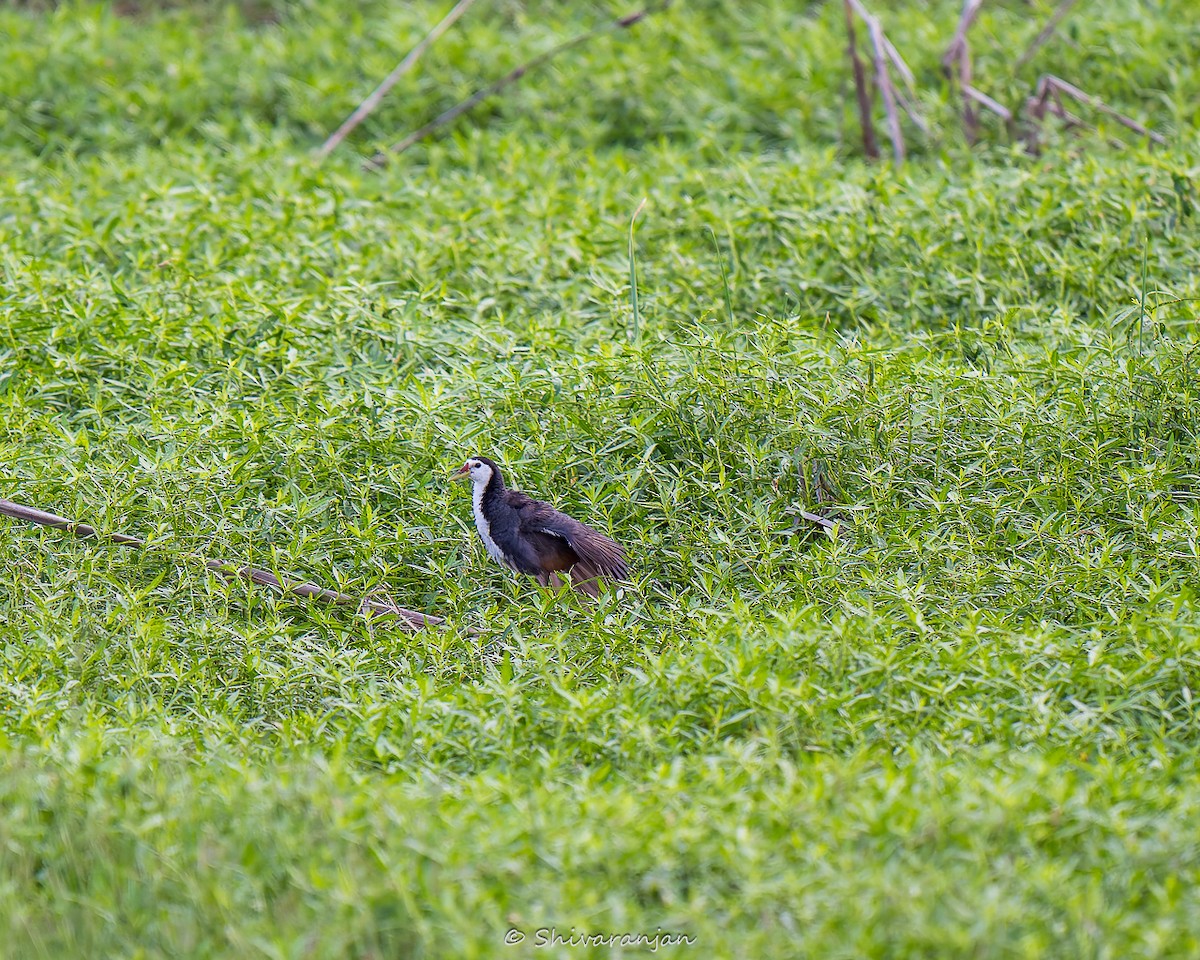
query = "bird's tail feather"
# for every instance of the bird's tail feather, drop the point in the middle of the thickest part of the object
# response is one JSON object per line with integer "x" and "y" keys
{"x": 584, "y": 579}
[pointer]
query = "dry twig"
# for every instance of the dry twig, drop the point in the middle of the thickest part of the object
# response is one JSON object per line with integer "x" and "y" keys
{"x": 1047, "y": 98}
{"x": 959, "y": 47}
{"x": 411, "y": 619}
{"x": 982, "y": 98}
{"x": 816, "y": 485}
{"x": 888, "y": 91}
{"x": 372, "y": 101}
{"x": 829, "y": 526}
{"x": 956, "y": 62}
{"x": 905, "y": 72}
{"x": 621, "y": 23}
{"x": 1055, "y": 19}
{"x": 885, "y": 52}
{"x": 870, "y": 144}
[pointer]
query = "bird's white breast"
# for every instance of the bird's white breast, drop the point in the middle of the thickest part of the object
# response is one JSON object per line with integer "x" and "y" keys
{"x": 482, "y": 525}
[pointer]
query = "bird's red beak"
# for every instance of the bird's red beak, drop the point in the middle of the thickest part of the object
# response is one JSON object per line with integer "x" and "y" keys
{"x": 461, "y": 473}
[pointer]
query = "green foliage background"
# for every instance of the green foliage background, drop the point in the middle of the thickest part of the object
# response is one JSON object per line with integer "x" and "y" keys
{"x": 965, "y": 727}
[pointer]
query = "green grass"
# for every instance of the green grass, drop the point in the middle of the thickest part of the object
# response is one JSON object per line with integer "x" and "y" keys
{"x": 965, "y": 727}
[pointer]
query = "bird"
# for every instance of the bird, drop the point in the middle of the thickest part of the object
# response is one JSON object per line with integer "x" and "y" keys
{"x": 533, "y": 538}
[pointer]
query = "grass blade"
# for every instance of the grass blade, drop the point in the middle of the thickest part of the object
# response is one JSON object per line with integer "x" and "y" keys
{"x": 633, "y": 290}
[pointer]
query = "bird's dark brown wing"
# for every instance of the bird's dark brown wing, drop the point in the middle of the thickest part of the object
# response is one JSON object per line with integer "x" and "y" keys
{"x": 597, "y": 554}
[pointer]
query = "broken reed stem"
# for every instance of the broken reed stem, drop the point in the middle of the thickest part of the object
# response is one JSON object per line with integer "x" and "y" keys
{"x": 1062, "y": 86}
{"x": 901, "y": 66}
{"x": 365, "y": 108}
{"x": 621, "y": 23}
{"x": 870, "y": 143}
{"x": 884, "y": 52}
{"x": 412, "y": 619}
{"x": 826, "y": 524}
{"x": 982, "y": 98}
{"x": 1055, "y": 19}
{"x": 958, "y": 45}
{"x": 1048, "y": 99}
{"x": 956, "y": 62}
{"x": 907, "y": 106}
{"x": 884, "y": 79}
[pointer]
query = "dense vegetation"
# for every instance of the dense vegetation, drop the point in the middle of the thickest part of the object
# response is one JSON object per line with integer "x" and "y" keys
{"x": 964, "y": 727}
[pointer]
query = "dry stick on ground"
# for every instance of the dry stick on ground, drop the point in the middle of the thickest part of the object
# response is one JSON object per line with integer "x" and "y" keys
{"x": 870, "y": 144}
{"x": 621, "y": 23}
{"x": 1048, "y": 99}
{"x": 824, "y": 522}
{"x": 909, "y": 82}
{"x": 1055, "y": 19}
{"x": 884, "y": 52}
{"x": 956, "y": 62}
{"x": 410, "y": 618}
{"x": 983, "y": 99}
{"x": 906, "y": 74}
{"x": 884, "y": 79}
{"x": 364, "y": 109}
{"x": 820, "y": 489}
{"x": 958, "y": 45}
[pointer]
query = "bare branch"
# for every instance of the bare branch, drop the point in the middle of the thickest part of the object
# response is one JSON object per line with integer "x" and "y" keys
{"x": 956, "y": 61}
{"x": 901, "y": 67}
{"x": 1062, "y": 86}
{"x": 884, "y": 52}
{"x": 982, "y": 98}
{"x": 826, "y": 524}
{"x": 958, "y": 45}
{"x": 1055, "y": 19}
{"x": 412, "y": 619}
{"x": 1059, "y": 109}
{"x": 1047, "y": 98}
{"x": 621, "y": 23}
{"x": 870, "y": 144}
{"x": 911, "y": 110}
{"x": 372, "y": 101}
{"x": 884, "y": 79}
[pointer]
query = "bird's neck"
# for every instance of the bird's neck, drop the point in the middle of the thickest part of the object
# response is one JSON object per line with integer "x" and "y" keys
{"x": 488, "y": 506}
{"x": 488, "y": 492}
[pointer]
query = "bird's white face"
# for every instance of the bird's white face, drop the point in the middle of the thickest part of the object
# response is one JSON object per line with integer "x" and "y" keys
{"x": 479, "y": 472}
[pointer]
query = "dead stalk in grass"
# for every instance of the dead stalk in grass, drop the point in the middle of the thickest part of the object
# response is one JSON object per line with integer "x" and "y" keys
{"x": 884, "y": 80}
{"x": 870, "y": 143}
{"x": 412, "y": 619}
{"x": 1047, "y": 99}
{"x": 884, "y": 53}
{"x": 365, "y": 108}
{"x": 956, "y": 62}
{"x": 621, "y": 23}
{"x": 1051, "y": 25}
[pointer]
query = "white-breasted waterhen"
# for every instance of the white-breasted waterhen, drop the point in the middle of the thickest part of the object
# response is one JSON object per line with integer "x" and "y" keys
{"x": 533, "y": 538}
